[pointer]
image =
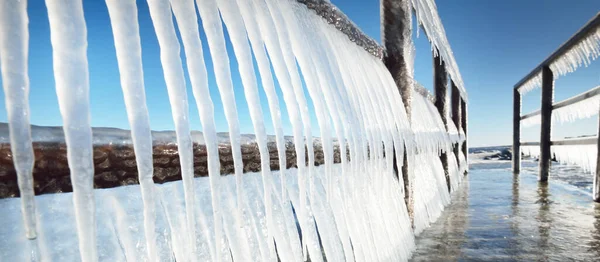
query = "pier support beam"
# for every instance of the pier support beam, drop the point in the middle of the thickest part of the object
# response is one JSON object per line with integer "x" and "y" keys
{"x": 596, "y": 189}
{"x": 440, "y": 84}
{"x": 396, "y": 24}
{"x": 546, "y": 127}
{"x": 456, "y": 115}
{"x": 516, "y": 154}
{"x": 463, "y": 118}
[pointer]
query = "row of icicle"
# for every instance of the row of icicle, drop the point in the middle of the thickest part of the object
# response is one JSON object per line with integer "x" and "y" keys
{"x": 355, "y": 100}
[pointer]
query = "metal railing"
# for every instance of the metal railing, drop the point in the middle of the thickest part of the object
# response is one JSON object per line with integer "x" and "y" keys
{"x": 547, "y": 106}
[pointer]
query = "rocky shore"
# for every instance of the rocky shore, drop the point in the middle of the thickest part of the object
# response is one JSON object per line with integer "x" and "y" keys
{"x": 115, "y": 165}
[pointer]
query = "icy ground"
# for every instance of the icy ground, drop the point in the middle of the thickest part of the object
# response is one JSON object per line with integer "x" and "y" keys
{"x": 559, "y": 173}
{"x": 495, "y": 216}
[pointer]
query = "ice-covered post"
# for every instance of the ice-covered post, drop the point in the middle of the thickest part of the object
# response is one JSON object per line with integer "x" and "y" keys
{"x": 396, "y": 30}
{"x": 545, "y": 134}
{"x": 456, "y": 115}
{"x": 516, "y": 154}
{"x": 440, "y": 84}
{"x": 463, "y": 118}
{"x": 596, "y": 189}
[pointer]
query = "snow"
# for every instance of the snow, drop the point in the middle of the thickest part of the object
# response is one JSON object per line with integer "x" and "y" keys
{"x": 14, "y": 49}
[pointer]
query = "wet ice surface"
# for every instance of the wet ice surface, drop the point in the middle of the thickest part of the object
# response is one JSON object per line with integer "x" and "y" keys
{"x": 497, "y": 217}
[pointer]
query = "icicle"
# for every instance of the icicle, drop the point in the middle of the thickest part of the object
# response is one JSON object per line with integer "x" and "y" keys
{"x": 532, "y": 121}
{"x": 160, "y": 12}
{"x": 583, "y": 156}
{"x": 427, "y": 15}
{"x": 14, "y": 49}
{"x": 532, "y": 151}
{"x": 580, "y": 110}
{"x": 185, "y": 13}
{"x": 123, "y": 16}
{"x": 581, "y": 54}
{"x": 247, "y": 11}
{"x": 69, "y": 45}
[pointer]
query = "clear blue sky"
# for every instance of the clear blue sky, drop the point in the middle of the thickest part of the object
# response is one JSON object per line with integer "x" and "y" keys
{"x": 495, "y": 43}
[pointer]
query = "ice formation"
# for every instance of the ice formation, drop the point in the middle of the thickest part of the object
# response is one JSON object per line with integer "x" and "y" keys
{"x": 68, "y": 35}
{"x": 580, "y": 110}
{"x": 580, "y": 54}
{"x": 584, "y": 156}
{"x": 351, "y": 211}
{"x": 123, "y": 16}
{"x": 532, "y": 151}
{"x": 427, "y": 16}
{"x": 160, "y": 11}
{"x": 14, "y": 51}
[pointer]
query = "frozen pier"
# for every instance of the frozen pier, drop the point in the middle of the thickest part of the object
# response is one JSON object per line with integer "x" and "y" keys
{"x": 495, "y": 216}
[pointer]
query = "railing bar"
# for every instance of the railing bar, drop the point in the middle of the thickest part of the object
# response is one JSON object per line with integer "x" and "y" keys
{"x": 578, "y": 98}
{"x": 579, "y": 141}
{"x": 589, "y": 26}
{"x": 566, "y": 142}
{"x": 567, "y": 102}
{"x": 530, "y": 143}
{"x": 532, "y": 114}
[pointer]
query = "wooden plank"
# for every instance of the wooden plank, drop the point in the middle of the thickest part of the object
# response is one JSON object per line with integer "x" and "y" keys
{"x": 582, "y": 33}
{"x": 546, "y": 125}
{"x": 516, "y": 163}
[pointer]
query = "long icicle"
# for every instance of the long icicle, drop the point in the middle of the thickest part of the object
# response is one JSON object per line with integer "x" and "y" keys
{"x": 68, "y": 34}
{"x": 14, "y": 51}
{"x": 160, "y": 12}
{"x": 216, "y": 41}
{"x": 237, "y": 34}
{"x": 124, "y": 21}
{"x": 185, "y": 13}
{"x": 258, "y": 48}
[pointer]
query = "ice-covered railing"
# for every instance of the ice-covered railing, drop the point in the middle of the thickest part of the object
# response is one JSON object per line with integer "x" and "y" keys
{"x": 354, "y": 210}
{"x": 581, "y": 49}
{"x": 428, "y": 17}
{"x": 584, "y": 105}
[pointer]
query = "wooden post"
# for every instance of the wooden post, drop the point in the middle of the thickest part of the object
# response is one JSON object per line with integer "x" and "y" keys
{"x": 440, "y": 84}
{"x": 456, "y": 115}
{"x": 546, "y": 127}
{"x": 516, "y": 154}
{"x": 596, "y": 189}
{"x": 464, "y": 116}
{"x": 396, "y": 21}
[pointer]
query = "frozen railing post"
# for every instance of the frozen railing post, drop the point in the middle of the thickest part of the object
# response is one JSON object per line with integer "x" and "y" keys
{"x": 455, "y": 104}
{"x": 596, "y": 189}
{"x": 395, "y": 35}
{"x": 516, "y": 154}
{"x": 440, "y": 84}
{"x": 463, "y": 118}
{"x": 545, "y": 133}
